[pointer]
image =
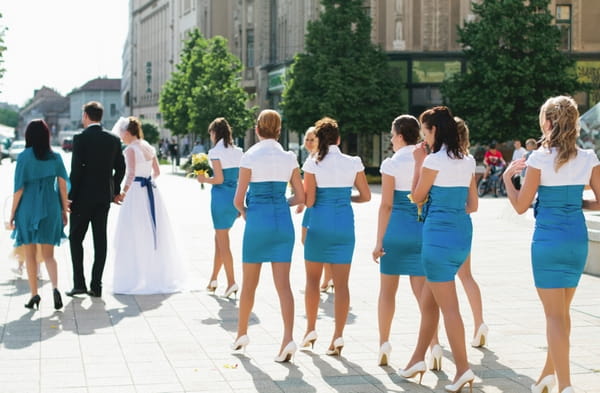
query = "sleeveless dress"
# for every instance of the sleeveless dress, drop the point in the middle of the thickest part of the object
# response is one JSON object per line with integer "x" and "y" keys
{"x": 447, "y": 230}
{"x": 222, "y": 211}
{"x": 330, "y": 235}
{"x": 38, "y": 218}
{"x": 146, "y": 256}
{"x": 560, "y": 241}
{"x": 269, "y": 231}
{"x": 404, "y": 233}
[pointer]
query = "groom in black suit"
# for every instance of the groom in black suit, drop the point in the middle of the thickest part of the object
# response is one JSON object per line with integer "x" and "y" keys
{"x": 97, "y": 169}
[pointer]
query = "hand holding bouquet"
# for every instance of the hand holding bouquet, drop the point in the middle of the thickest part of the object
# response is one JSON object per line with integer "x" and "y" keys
{"x": 200, "y": 166}
{"x": 420, "y": 217}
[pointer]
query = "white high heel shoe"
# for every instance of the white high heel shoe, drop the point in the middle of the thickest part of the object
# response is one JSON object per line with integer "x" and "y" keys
{"x": 467, "y": 378}
{"x": 436, "y": 357}
{"x": 212, "y": 286}
{"x": 241, "y": 343}
{"x": 309, "y": 339}
{"x": 327, "y": 286}
{"x": 417, "y": 368}
{"x": 288, "y": 353}
{"x": 545, "y": 386}
{"x": 384, "y": 353}
{"x": 480, "y": 338}
{"x": 338, "y": 344}
{"x": 231, "y": 290}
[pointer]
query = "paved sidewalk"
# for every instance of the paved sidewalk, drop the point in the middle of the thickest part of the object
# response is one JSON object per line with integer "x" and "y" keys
{"x": 180, "y": 342}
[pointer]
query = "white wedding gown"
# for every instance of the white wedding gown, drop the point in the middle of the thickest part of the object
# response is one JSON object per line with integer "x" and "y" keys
{"x": 145, "y": 262}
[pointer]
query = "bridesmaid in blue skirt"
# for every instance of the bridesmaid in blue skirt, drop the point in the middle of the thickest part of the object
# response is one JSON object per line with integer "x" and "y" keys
{"x": 265, "y": 171}
{"x": 399, "y": 233}
{"x": 328, "y": 180}
{"x": 444, "y": 184}
{"x": 557, "y": 173}
{"x": 225, "y": 160}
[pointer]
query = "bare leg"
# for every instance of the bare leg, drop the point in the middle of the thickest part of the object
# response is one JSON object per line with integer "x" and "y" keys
{"x": 556, "y": 304}
{"x": 304, "y": 230}
{"x": 225, "y": 257}
{"x": 281, "y": 278}
{"x": 430, "y": 316}
{"x": 341, "y": 272}
{"x": 549, "y": 366}
{"x": 472, "y": 291}
{"x": 386, "y": 305}
{"x": 48, "y": 255}
{"x": 251, "y": 275}
{"x": 445, "y": 297}
{"x": 31, "y": 264}
{"x": 311, "y": 294}
{"x": 327, "y": 276}
{"x": 217, "y": 262}
{"x": 417, "y": 283}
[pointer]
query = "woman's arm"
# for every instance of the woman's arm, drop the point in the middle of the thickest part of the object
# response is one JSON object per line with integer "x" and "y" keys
{"x": 595, "y": 185}
{"x": 472, "y": 198}
{"x": 385, "y": 210}
{"x": 155, "y": 167}
{"x": 423, "y": 178}
{"x": 240, "y": 192}
{"x": 16, "y": 199}
{"x": 297, "y": 189}
{"x": 361, "y": 184}
{"x": 521, "y": 199}
{"x": 217, "y": 177}
{"x": 62, "y": 189}
{"x": 310, "y": 189}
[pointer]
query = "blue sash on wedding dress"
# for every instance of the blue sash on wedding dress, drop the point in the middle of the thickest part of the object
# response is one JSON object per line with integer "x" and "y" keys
{"x": 147, "y": 182}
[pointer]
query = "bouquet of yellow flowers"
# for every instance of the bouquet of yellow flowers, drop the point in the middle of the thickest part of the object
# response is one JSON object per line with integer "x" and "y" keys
{"x": 200, "y": 166}
{"x": 420, "y": 217}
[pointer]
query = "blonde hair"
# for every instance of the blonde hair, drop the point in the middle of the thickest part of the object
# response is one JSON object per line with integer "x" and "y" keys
{"x": 563, "y": 115}
{"x": 268, "y": 124}
{"x": 463, "y": 134}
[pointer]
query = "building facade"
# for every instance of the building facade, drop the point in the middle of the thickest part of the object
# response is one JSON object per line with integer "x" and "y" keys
{"x": 107, "y": 91}
{"x": 46, "y": 104}
{"x": 420, "y": 37}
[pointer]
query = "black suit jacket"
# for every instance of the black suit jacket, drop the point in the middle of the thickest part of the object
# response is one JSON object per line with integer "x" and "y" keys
{"x": 97, "y": 167}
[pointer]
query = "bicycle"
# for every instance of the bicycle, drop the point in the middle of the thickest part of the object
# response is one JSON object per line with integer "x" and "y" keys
{"x": 493, "y": 183}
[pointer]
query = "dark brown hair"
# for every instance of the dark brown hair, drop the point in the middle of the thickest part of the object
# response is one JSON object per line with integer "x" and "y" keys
{"x": 328, "y": 133}
{"x": 135, "y": 127}
{"x": 268, "y": 124}
{"x": 222, "y": 130}
{"x": 408, "y": 126}
{"x": 94, "y": 110}
{"x": 446, "y": 132}
{"x": 37, "y": 136}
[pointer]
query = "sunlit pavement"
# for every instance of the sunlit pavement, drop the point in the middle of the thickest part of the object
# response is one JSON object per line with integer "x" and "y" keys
{"x": 181, "y": 342}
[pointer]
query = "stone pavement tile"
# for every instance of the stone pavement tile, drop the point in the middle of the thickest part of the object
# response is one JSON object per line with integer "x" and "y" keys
{"x": 60, "y": 348}
{"x": 21, "y": 386}
{"x": 109, "y": 381}
{"x": 106, "y": 370}
{"x": 19, "y": 349}
{"x": 159, "y": 387}
{"x": 50, "y": 379}
{"x": 153, "y": 371}
{"x": 113, "y": 389}
{"x": 194, "y": 374}
{"x": 143, "y": 352}
{"x": 64, "y": 390}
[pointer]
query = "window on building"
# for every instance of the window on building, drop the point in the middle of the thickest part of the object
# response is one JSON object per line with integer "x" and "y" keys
{"x": 250, "y": 48}
{"x": 113, "y": 110}
{"x": 563, "y": 21}
{"x": 187, "y": 6}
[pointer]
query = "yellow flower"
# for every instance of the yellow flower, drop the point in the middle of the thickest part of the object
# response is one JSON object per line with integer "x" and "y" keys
{"x": 419, "y": 206}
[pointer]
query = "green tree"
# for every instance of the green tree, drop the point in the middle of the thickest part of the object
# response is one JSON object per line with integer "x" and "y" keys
{"x": 9, "y": 117}
{"x": 205, "y": 85}
{"x": 151, "y": 134}
{"x": 514, "y": 64}
{"x": 2, "y": 48}
{"x": 342, "y": 74}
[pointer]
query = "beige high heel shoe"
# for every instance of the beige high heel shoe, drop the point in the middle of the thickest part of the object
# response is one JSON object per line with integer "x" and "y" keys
{"x": 309, "y": 339}
{"x": 212, "y": 286}
{"x": 384, "y": 353}
{"x": 545, "y": 386}
{"x": 338, "y": 344}
{"x": 287, "y": 354}
{"x": 417, "y": 368}
{"x": 241, "y": 343}
{"x": 436, "y": 357}
{"x": 480, "y": 338}
{"x": 231, "y": 290}
{"x": 467, "y": 378}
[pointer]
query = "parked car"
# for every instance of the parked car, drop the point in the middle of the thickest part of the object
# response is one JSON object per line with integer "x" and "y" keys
{"x": 15, "y": 149}
{"x": 4, "y": 146}
{"x": 67, "y": 144}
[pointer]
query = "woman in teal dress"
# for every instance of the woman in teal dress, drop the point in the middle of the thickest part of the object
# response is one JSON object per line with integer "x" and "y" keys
{"x": 40, "y": 206}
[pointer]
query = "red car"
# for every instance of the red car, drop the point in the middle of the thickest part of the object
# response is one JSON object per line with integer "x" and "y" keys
{"x": 67, "y": 144}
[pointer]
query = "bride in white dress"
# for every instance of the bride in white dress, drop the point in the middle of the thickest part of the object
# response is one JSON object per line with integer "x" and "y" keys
{"x": 146, "y": 260}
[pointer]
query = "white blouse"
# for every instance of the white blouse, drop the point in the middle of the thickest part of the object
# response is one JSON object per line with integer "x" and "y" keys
{"x": 401, "y": 166}
{"x": 335, "y": 170}
{"x": 269, "y": 162}
{"x": 576, "y": 171}
{"x": 229, "y": 156}
{"x": 451, "y": 172}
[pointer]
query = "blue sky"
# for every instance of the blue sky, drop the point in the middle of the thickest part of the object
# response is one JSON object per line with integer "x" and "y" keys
{"x": 60, "y": 44}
